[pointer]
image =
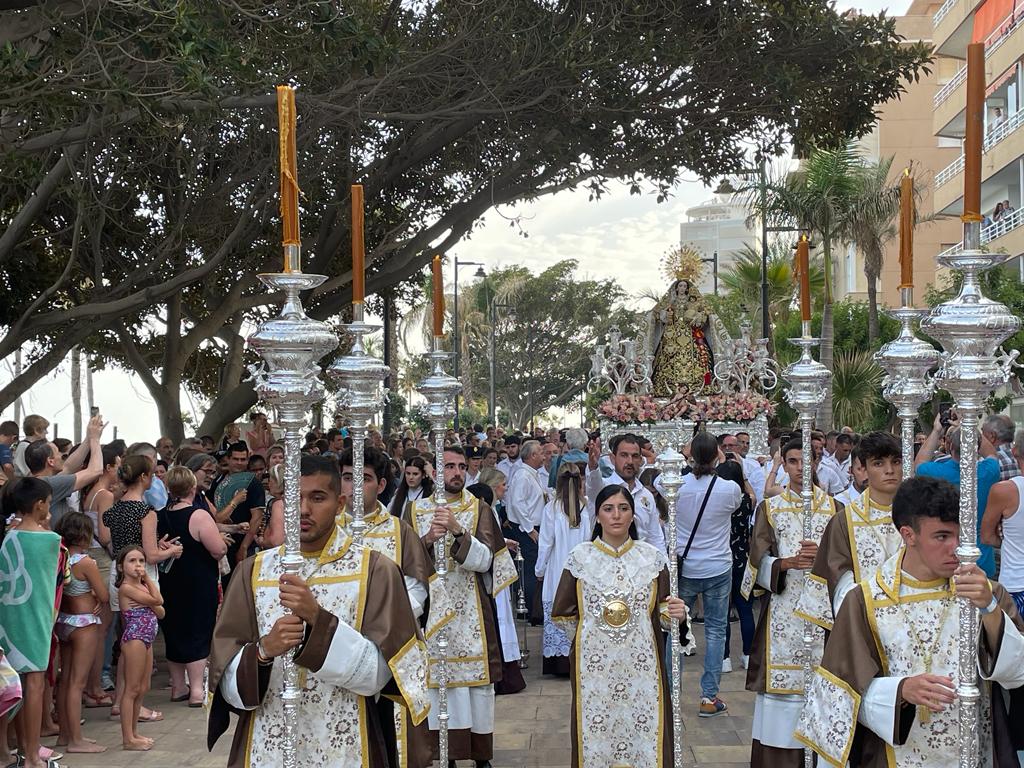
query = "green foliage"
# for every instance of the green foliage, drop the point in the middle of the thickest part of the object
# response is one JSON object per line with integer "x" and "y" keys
{"x": 544, "y": 342}
{"x": 851, "y": 330}
{"x": 856, "y": 390}
{"x": 741, "y": 282}
{"x": 155, "y": 124}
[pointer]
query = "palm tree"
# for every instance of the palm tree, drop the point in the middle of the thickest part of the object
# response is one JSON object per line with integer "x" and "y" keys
{"x": 856, "y": 388}
{"x": 874, "y": 222}
{"x": 474, "y": 321}
{"x": 817, "y": 197}
{"x": 742, "y": 279}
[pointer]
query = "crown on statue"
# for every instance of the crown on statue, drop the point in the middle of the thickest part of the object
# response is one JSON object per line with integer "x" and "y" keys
{"x": 683, "y": 263}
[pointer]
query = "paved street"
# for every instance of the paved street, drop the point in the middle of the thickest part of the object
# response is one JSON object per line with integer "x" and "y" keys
{"x": 532, "y": 727}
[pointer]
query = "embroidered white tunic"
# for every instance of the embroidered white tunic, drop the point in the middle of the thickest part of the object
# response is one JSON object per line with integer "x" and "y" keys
{"x": 856, "y": 543}
{"x": 478, "y": 564}
{"x": 892, "y": 627}
{"x": 364, "y": 636}
{"x": 776, "y": 659}
{"x": 612, "y": 603}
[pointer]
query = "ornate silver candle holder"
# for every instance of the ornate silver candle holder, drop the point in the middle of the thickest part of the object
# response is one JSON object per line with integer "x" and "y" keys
{"x": 361, "y": 377}
{"x": 439, "y": 390}
{"x": 808, "y": 381}
{"x": 671, "y": 464}
{"x": 290, "y": 345}
{"x": 970, "y": 328}
{"x": 907, "y": 361}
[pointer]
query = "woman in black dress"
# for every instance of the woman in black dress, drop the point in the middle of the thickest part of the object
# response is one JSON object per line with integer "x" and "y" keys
{"x": 189, "y": 587}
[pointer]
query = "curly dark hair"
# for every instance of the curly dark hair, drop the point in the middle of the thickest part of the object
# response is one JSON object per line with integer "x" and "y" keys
{"x": 925, "y": 496}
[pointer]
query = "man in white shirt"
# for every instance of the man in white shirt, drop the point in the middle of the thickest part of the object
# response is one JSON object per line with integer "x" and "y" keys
{"x": 524, "y": 504}
{"x": 627, "y": 459}
{"x": 550, "y": 451}
{"x": 856, "y": 487}
{"x": 509, "y": 466}
{"x": 752, "y": 469}
{"x": 829, "y": 478}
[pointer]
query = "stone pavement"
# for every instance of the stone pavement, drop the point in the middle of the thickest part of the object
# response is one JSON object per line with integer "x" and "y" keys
{"x": 531, "y": 728}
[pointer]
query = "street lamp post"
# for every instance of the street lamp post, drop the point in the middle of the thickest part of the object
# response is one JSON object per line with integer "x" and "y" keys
{"x": 492, "y": 403}
{"x": 455, "y": 325}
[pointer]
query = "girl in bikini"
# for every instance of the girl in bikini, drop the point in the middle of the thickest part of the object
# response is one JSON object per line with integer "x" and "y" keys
{"x": 78, "y": 628}
{"x": 141, "y": 606}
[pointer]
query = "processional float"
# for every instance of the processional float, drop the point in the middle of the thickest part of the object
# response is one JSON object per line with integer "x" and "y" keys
{"x": 971, "y": 328}
{"x": 439, "y": 390}
{"x": 732, "y": 400}
{"x": 290, "y": 345}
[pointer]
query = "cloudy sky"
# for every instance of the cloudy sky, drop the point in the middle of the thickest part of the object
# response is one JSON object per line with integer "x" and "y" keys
{"x": 599, "y": 234}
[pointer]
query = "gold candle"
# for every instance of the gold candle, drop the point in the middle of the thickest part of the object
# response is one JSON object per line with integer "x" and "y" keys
{"x": 289, "y": 177}
{"x": 358, "y": 246}
{"x": 438, "y": 297}
{"x": 906, "y": 230}
{"x": 974, "y": 131}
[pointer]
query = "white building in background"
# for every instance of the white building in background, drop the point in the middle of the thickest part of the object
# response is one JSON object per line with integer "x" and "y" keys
{"x": 717, "y": 229}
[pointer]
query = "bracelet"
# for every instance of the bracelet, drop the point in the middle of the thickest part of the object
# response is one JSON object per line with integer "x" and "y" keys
{"x": 992, "y": 607}
{"x": 261, "y": 656}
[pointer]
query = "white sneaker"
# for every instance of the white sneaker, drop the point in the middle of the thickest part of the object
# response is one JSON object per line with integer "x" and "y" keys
{"x": 726, "y": 665}
{"x": 746, "y": 661}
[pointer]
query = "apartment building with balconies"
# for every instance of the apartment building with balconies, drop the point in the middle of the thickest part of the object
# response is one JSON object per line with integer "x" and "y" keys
{"x": 905, "y": 132}
{"x": 1000, "y": 25}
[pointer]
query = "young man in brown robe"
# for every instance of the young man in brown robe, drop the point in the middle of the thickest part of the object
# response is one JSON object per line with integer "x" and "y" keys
{"x": 884, "y": 693}
{"x": 346, "y": 620}
{"x": 861, "y": 538}
{"x": 478, "y": 565}
{"x": 780, "y": 557}
{"x": 395, "y": 539}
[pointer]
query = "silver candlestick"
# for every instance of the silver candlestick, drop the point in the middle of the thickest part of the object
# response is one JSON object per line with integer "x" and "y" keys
{"x": 907, "y": 361}
{"x": 522, "y": 612}
{"x": 361, "y": 377}
{"x": 671, "y": 462}
{"x": 970, "y": 328}
{"x": 439, "y": 390}
{"x": 808, "y": 382}
{"x": 290, "y": 345}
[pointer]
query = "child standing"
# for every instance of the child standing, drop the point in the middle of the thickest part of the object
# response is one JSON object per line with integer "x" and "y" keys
{"x": 78, "y": 629}
{"x": 141, "y": 606}
{"x": 29, "y": 559}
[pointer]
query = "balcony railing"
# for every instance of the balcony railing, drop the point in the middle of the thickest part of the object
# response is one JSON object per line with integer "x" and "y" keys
{"x": 1007, "y": 223}
{"x": 947, "y": 90}
{"x": 942, "y": 12}
{"x": 992, "y": 43}
{"x": 995, "y": 135}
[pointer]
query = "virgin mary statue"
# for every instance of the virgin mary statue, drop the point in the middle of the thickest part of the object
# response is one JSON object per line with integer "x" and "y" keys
{"x": 680, "y": 340}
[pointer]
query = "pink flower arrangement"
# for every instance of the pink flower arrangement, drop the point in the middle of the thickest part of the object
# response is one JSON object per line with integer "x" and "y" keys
{"x": 644, "y": 409}
{"x": 744, "y": 406}
{"x": 630, "y": 409}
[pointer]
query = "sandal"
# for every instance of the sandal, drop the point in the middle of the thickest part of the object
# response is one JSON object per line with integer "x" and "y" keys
{"x": 155, "y": 715}
{"x": 97, "y": 702}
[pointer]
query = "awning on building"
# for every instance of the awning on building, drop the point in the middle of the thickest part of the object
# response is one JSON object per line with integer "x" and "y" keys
{"x": 990, "y": 16}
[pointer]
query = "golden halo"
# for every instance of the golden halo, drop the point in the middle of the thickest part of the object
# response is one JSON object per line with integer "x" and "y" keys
{"x": 682, "y": 263}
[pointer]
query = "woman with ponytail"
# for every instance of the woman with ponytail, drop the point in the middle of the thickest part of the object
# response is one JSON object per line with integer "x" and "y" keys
{"x": 567, "y": 520}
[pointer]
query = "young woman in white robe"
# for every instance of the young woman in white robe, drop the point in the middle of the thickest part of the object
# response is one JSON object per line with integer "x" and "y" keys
{"x": 567, "y": 520}
{"x": 613, "y": 599}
